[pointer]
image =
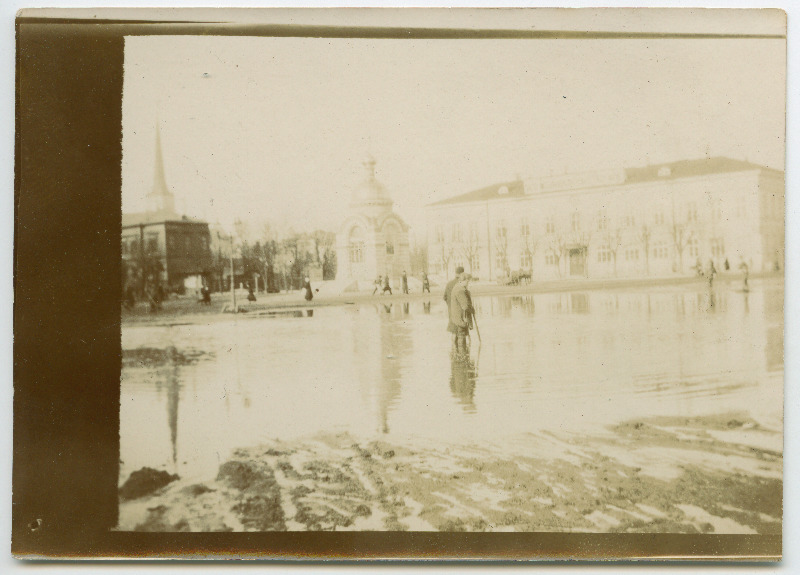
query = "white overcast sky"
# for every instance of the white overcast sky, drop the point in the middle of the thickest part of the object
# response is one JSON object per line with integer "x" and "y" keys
{"x": 277, "y": 128}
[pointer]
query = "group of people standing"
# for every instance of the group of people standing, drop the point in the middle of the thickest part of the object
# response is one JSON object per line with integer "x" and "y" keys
{"x": 382, "y": 283}
{"x": 460, "y": 310}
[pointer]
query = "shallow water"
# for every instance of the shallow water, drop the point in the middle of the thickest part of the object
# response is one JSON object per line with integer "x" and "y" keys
{"x": 558, "y": 363}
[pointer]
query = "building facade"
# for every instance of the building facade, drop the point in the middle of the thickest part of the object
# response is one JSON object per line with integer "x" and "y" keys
{"x": 372, "y": 240}
{"x": 657, "y": 220}
{"x": 161, "y": 247}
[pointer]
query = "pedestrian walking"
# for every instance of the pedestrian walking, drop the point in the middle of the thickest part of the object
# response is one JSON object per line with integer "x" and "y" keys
{"x": 426, "y": 284}
{"x": 378, "y": 283}
{"x": 386, "y": 286}
{"x": 405, "y": 282}
{"x": 307, "y": 287}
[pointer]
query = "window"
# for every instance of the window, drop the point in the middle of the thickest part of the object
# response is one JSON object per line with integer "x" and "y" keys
{"x": 457, "y": 233}
{"x": 694, "y": 249}
{"x": 631, "y": 254}
{"x": 525, "y": 260}
{"x": 576, "y": 222}
{"x": 691, "y": 212}
{"x": 187, "y": 244}
{"x": 356, "y": 252}
{"x": 717, "y": 247}
{"x": 500, "y": 261}
{"x": 628, "y": 221}
{"x": 152, "y": 243}
{"x": 550, "y": 259}
{"x": 473, "y": 231}
{"x": 602, "y": 221}
{"x": 475, "y": 263}
{"x": 604, "y": 253}
{"x": 660, "y": 250}
{"x": 204, "y": 243}
{"x": 716, "y": 211}
{"x": 524, "y": 229}
{"x": 549, "y": 225}
{"x": 500, "y": 231}
{"x": 439, "y": 234}
{"x": 389, "y": 247}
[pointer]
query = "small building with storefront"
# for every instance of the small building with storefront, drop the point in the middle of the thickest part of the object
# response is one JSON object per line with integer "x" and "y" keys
{"x": 657, "y": 220}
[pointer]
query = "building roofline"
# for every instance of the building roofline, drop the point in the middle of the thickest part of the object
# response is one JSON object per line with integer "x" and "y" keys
{"x": 670, "y": 171}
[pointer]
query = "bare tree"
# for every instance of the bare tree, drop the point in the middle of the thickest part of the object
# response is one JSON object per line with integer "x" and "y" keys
{"x": 681, "y": 234}
{"x": 531, "y": 244}
{"x": 557, "y": 246}
{"x": 645, "y": 235}
{"x": 613, "y": 240}
{"x": 469, "y": 249}
{"x": 445, "y": 256}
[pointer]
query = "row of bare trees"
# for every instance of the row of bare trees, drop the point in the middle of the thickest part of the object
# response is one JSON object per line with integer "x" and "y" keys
{"x": 282, "y": 260}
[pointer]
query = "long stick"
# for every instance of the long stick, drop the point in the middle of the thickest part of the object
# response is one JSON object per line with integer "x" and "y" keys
{"x": 477, "y": 329}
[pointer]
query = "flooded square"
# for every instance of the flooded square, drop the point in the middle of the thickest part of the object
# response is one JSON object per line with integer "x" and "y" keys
{"x": 568, "y": 392}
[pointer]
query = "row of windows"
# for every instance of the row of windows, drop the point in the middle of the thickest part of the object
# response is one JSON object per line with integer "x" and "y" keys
{"x": 576, "y": 223}
{"x": 659, "y": 251}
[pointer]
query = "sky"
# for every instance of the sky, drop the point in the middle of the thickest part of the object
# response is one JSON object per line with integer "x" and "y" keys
{"x": 277, "y": 129}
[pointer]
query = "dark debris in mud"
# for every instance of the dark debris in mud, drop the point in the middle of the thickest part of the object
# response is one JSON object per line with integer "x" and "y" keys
{"x": 145, "y": 481}
{"x": 156, "y": 357}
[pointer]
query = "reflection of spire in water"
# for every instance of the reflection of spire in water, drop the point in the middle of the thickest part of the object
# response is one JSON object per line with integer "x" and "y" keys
{"x": 173, "y": 397}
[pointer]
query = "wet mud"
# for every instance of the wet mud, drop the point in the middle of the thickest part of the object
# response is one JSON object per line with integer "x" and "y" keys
{"x": 719, "y": 474}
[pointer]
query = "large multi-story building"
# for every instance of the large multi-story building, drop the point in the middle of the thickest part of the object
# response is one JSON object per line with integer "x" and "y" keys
{"x": 158, "y": 244}
{"x": 656, "y": 220}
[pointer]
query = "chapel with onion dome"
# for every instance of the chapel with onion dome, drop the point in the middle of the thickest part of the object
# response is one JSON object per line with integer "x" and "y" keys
{"x": 372, "y": 240}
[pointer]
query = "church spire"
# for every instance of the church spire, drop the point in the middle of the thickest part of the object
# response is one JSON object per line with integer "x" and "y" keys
{"x": 160, "y": 199}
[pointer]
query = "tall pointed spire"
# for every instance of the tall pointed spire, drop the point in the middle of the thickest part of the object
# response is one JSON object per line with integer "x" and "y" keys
{"x": 160, "y": 199}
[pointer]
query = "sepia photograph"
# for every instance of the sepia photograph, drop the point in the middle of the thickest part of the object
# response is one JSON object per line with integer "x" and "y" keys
{"x": 509, "y": 279}
{"x": 453, "y": 285}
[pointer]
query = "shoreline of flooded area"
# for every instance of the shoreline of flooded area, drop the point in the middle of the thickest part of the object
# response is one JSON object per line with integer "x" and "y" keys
{"x": 668, "y": 397}
{"x": 679, "y": 476}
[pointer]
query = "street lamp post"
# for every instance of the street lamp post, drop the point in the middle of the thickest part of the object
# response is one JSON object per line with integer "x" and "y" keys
{"x": 233, "y": 280}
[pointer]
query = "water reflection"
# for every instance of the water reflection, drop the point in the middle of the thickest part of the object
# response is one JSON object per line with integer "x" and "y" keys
{"x": 565, "y": 361}
{"x": 463, "y": 373}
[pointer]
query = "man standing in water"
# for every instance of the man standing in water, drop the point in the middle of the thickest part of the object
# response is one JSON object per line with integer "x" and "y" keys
{"x": 460, "y": 309}
{"x": 449, "y": 287}
{"x": 405, "y": 282}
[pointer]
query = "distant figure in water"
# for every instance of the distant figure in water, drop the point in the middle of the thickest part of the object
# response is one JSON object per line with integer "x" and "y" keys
{"x": 251, "y": 294}
{"x": 378, "y": 283}
{"x": 711, "y": 272}
{"x": 307, "y": 286}
{"x": 460, "y": 313}
{"x": 386, "y": 286}
{"x": 746, "y": 270}
{"x": 405, "y": 282}
{"x": 426, "y": 284}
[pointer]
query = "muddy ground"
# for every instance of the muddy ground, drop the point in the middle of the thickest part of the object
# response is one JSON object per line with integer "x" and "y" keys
{"x": 717, "y": 474}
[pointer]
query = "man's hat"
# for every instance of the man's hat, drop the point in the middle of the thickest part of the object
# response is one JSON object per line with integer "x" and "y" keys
{"x": 460, "y": 270}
